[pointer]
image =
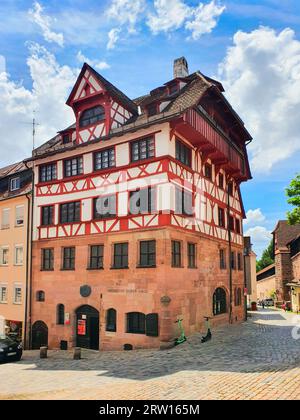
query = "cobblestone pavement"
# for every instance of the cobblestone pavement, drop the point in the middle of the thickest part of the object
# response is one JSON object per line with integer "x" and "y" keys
{"x": 255, "y": 360}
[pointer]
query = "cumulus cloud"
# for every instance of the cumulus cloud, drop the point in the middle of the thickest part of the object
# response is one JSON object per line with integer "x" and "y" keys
{"x": 259, "y": 235}
{"x": 113, "y": 37}
{"x": 45, "y": 22}
{"x": 261, "y": 73}
{"x": 170, "y": 15}
{"x": 99, "y": 65}
{"x": 51, "y": 84}
{"x": 126, "y": 12}
{"x": 254, "y": 216}
{"x": 2, "y": 64}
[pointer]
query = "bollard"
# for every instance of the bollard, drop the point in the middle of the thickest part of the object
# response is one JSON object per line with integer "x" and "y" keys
{"x": 43, "y": 352}
{"x": 77, "y": 353}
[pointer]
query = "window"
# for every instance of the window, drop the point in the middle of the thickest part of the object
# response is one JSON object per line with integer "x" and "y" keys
{"x": 70, "y": 212}
{"x": 221, "y": 213}
{"x": 69, "y": 258}
{"x": 222, "y": 259}
{"x": 60, "y": 314}
{"x": 104, "y": 159}
{"x": 238, "y": 226}
{"x": 48, "y": 259}
{"x": 111, "y": 320}
{"x": 230, "y": 188}
{"x": 73, "y": 167}
{"x": 136, "y": 323}
{"x": 15, "y": 184}
{"x": 173, "y": 88}
{"x": 17, "y": 294}
{"x": 208, "y": 171}
{"x": 121, "y": 255}
{"x": 147, "y": 254}
{"x": 66, "y": 139}
{"x": 152, "y": 109}
{"x": 176, "y": 254}
{"x": 96, "y": 257}
{"x": 105, "y": 207}
{"x": 142, "y": 201}
{"x": 48, "y": 172}
{"x": 238, "y": 297}
{"x": 19, "y": 255}
{"x": 183, "y": 153}
{"x": 3, "y": 294}
{"x": 231, "y": 223}
{"x": 143, "y": 149}
{"x": 19, "y": 215}
{"x": 5, "y": 219}
{"x": 192, "y": 255}
{"x": 232, "y": 260}
{"x": 183, "y": 202}
{"x": 47, "y": 215}
{"x": 40, "y": 296}
{"x": 92, "y": 116}
{"x": 219, "y": 302}
{"x": 4, "y": 251}
{"x": 221, "y": 181}
{"x": 240, "y": 262}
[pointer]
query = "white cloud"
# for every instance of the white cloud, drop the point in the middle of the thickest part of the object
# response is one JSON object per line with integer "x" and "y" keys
{"x": 254, "y": 217}
{"x": 170, "y": 15}
{"x": 2, "y": 64}
{"x": 99, "y": 65}
{"x": 205, "y": 19}
{"x": 51, "y": 86}
{"x": 45, "y": 22}
{"x": 259, "y": 235}
{"x": 126, "y": 12}
{"x": 261, "y": 73}
{"x": 113, "y": 37}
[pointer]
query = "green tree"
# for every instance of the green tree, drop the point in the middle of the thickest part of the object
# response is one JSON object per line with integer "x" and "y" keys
{"x": 267, "y": 257}
{"x": 293, "y": 194}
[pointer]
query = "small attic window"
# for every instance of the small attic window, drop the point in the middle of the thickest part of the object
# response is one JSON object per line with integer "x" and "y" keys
{"x": 152, "y": 109}
{"x": 15, "y": 184}
{"x": 92, "y": 116}
{"x": 66, "y": 138}
{"x": 173, "y": 88}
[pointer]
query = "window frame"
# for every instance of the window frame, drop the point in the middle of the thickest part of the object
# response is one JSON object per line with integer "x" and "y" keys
{"x": 2, "y": 287}
{"x": 208, "y": 167}
{"x": 192, "y": 263}
{"x": 52, "y": 172}
{"x": 183, "y": 153}
{"x": 50, "y": 259}
{"x": 18, "y": 298}
{"x": 38, "y": 297}
{"x": 138, "y": 142}
{"x": 99, "y": 258}
{"x": 223, "y": 256}
{"x": 17, "y": 249}
{"x": 221, "y": 217}
{"x": 149, "y": 254}
{"x": 99, "y": 118}
{"x": 176, "y": 255}
{"x": 136, "y": 326}
{"x": 79, "y": 167}
{"x": 124, "y": 257}
{"x": 17, "y": 181}
{"x": 75, "y": 219}
{"x": 111, "y": 150}
{"x": 151, "y": 201}
{"x": 98, "y": 216}
{"x": 71, "y": 259}
{"x": 2, "y": 249}
{"x": 60, "y": 314}
{"x": 184, "y": 198}
{"x": 111, "y": 320}
{"x": 44, "y": 208}
{"x": 220, "y": 306}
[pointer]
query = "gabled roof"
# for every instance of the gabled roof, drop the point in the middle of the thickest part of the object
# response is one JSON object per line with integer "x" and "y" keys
{"x": 110, "y": 88}
{"x": 12, "y": 169}
{"x": 285, "y": 233}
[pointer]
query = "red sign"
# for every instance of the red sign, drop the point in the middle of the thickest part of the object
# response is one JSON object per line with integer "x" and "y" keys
{"x": 81, "y": 327}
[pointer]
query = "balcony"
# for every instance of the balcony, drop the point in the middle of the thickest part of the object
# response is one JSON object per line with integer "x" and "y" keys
{"x": 213, "y": 143}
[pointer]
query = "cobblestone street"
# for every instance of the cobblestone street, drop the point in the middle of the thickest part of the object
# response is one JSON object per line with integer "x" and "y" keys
{"x": 256, "y": 360}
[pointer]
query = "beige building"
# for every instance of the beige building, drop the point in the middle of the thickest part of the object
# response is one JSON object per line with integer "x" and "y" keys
{"x": 266, "y": 282}
{"x": 15, "y": 239}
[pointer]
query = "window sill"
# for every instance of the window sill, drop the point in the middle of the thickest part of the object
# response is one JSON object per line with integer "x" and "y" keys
{"x": 67, "y": 269}
{"x": 136, "y": 333}
{"x": 119, "y": 268}
{"x": 3, "y": 303}
{"x": 193, "y": 268}
{"x": 175, "y": 266}
{"x": 17, "y": 303}
{"x": 95, "y": 269}
{"x": 44, "y": 270}
{"x": 146, "y": 266}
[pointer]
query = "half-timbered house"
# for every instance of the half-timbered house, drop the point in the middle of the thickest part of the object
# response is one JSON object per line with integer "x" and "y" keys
{"x": 138, "y": 215}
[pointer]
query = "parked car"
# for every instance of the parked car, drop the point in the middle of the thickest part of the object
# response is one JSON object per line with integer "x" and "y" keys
{"x": 269, "y": 302}
{"x": 10, "y": 349}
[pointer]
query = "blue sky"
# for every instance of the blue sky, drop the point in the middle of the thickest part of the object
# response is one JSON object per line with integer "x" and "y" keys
{"x": 253, "y": 47}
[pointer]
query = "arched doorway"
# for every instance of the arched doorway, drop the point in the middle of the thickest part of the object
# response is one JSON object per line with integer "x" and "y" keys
{"x": 87, "y": 328}
{"x": 39, "y": 335}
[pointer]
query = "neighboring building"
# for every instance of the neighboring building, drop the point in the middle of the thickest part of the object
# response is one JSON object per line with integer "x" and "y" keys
{"x": 294, "y": 246}
{"x": 283, "y": 235}
{"x": 138, "y": 215}
{"x": 266, "y": 283}
{"x": 15, "y": 240}
{"x": 250, "y": 271}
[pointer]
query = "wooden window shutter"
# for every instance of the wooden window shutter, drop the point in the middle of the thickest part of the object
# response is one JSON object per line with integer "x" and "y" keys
{"x": 152, "y": 325}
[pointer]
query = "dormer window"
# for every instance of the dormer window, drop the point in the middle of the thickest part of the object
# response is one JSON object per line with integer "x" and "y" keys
{"x": 152, "y": 109}
{"x": 66, "y": 138}
{"x": 15, "y": 184}
{"x": 92, "y": 116}
{"x": 173, "y": 88}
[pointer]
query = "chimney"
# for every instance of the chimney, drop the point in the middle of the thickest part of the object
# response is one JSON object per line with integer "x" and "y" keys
{"x": 181, "y": 68}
